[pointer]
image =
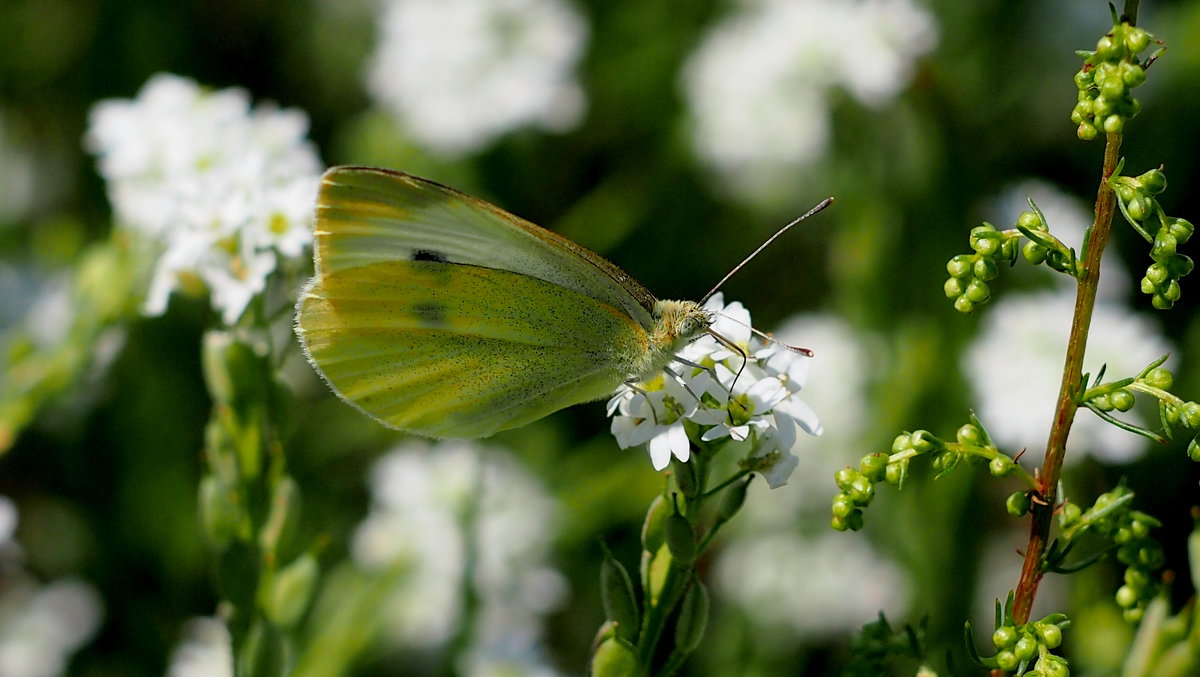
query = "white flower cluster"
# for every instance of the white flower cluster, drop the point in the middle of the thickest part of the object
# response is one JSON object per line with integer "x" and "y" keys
{"x": 224, "y": 189}
{"x": 751, "y": 400}
{"x": 206, "y": 650}
{"x": 453, "y": 514}
{"x": 459, "y": 73}
{"x": 41, "y": 625}
{"x": 758, "y": 84}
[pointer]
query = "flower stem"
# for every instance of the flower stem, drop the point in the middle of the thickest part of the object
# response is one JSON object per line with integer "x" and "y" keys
{"x": 1064, "y": 412}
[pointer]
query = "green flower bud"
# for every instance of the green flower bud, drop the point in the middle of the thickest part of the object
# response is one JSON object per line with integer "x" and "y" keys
{"x": 1136, "y": 39}
{"x": 1000, "y": 466}
{"x": 1030, "y": 221}
{"x": 654, "y": 527}
{"x": 220, "y": 511}
{"x": 693, "y": 617}
{"x": 1007, "y": 660}
{"x": 1077, "y": 116}
{"x": 1136, "y": 208}
{"x": 1126, "y": 597}
{"x": 1193, "y": 450}
{"x": 924, "y": 441}
{"x": 1151, "y": 556}
{"x": 843, "y": 505}
{"x": 1004, "y": 637}
{"x": 1134, "y": 615}
{"x": 1154, "y": 181}
{"x": 1179, "y": 264}
{"x": 616, "y": 594}
{"x": 945, "y": 461}
{"x": 1053, "y": 666}
{"x": 1138, "y": 579}
{"x": 1173, "y": 291}
{"x": 873, "y": 466}
{"x": 615, "y": 657}
{"x": 681, "y": 539}
{"x": 1103, "y": 107}
{"x": 1122, "y": 400}
{"x": 1033, "y": 252}
{"x": 283, "y": 518}
{"x": 953, "y": 288}
{"x": 1157, "y": 273}
{"x": 1182, "y": 229}
{"x": 986, "y": 269}
{"x": 1114, "y": 124}
{"x": 902, "y": 443}
{"x": 1086, "y": 131}
{"x": 1102, "y": 402}
{"x": 1083, "y": 80}
{"x": 896, "y": 473}
{"x": 1108, "y": 49}
{"x": 845, "y": 477}
{"x": 1026, "y": 647}
{"x": 1049, "y": 634}
{"x": 1017, "y": 504}
{"x": 977, "y": 291}
{"x": 1113, "y": 88}
{"x": 685, "y": 477}
{"x": 1147, "y": 285}
{"x": 1133, "y": 75}
{"x": 1164, "y": 246}
{"x": 964, "y": 305}
{"x": 1159, "y": 377}
{"x": 1070, "y": 514}
{"x": 291, "y": 590}
{"x": 1189, "y": 415}
{"x": 1161, "y": 302}
{"x": 984, "y": 239}
{"x": 861, "y": 491}
{"x": 971, "y": 435}
{"x": 960, "y": 266}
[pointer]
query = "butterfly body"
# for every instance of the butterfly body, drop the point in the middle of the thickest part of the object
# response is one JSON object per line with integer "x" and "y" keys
{"x": 442, "y": 315}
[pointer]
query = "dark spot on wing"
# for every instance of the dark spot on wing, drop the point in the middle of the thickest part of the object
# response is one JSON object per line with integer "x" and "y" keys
{"x": 429, "y": 255}
{"x": 430, "y": 314}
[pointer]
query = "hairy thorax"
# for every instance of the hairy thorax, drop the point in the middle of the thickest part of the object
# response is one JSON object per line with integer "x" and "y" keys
{"x": 676, "y": 323}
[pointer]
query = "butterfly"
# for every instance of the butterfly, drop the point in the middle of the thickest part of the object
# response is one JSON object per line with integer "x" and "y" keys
{"x": 442, "y": 315}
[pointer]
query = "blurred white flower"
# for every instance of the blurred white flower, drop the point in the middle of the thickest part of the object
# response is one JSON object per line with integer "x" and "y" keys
{"x": 451, "y": 515}
{"x": 459, "y": 73}
{"x": 18, "y": 176}
{"x": 8, "y": 519}
{"x": 224, "y": 190}
{"x": 1015, "y": 369}
{"x": 752, "y": 400}
{"x": 205, "y": 650}
{"x": 757, "y": 85}
{"x": 818, "y": 586}
{"x": 42, "y": 625}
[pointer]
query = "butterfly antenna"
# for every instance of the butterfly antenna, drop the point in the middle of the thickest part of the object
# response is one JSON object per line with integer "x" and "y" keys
{"x": 768, "y": 338}
{"x": 822, "y": 205}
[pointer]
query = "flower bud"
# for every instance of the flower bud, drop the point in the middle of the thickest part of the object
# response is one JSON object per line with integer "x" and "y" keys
{"x": 1122, "y": 400}
{"x": 734, "y": 498}
{"x": 953, "y": 287}
{"x": 283, "y": 517}
{"x": 685, "y": 477}
{"x": 681, "y": 539}
{"x": 615, "y": 657}
{"x": 1154, "y": 181}
{"x": 693, "y": 617}
{"x": 1004, "y": 637}
{"x": 1182, "y": 229}
{"x": 220, "y": 511}
{"x": 896, "y": 473}
{"x": 1026, "y": 647}
{"x": 1159, "y": 377}
{"x": 1033, "y": 252}
{"x": 616, "y": 594}
{"x": 1000, "y": 466}
{"x": 873, "y": 466}
{"x": 1017, "y": 504}
{"x": 959, "y": 266}
{"x": 291, "y": 589}
{"x": 845, "y": 477}
{"x": 653, "y": 529}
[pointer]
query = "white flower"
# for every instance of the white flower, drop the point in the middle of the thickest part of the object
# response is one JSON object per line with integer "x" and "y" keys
{"x": 445, "y": 511}
{"x": 757, "y": 85}
{"x": 459, "y": 73}
{"x": 205, "y": 651}
{"x": 224, "y": 190}
{"x": 42, "y": 625}
{"x": 819, "y": 586}
{"x": 1015, "y": 369}
{"x": 750, "y": 397}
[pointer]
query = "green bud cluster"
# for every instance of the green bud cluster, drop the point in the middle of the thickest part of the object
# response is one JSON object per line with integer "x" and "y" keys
{"x": 1136, "y": 196}
{"x": 1018, "y": 646}
{"x": 970, "y": 273}
{"x": 857, "y": 485}
{"x": 1106, "y": 79}
{"x": 1173, "y": 415}
{"x": 1112, "y": 518}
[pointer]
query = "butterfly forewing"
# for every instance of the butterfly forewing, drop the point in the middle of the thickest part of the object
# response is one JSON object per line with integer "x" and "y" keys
{"x": 367, "y": 215}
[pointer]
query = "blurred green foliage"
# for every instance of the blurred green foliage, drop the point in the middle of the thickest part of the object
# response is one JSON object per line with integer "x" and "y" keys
{"x": 106, "y": 476}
